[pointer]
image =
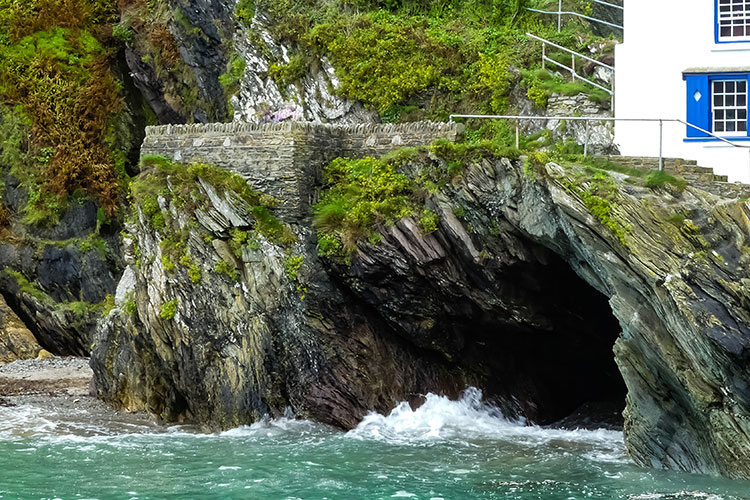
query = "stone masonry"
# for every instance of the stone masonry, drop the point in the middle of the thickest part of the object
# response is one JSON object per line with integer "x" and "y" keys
{"x": 695, "y": 175}
{"x": 285, "y": 160}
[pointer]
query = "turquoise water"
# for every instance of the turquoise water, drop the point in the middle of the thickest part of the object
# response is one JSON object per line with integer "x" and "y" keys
{"x": 449, "y": 450}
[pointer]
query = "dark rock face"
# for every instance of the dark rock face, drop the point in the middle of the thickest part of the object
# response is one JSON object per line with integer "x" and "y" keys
{"x": 52, "y": 278}
{"x": 517, "y": 296}
{"x": 201, "y": 33}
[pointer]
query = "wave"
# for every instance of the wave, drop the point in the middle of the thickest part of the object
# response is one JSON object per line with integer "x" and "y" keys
{"x": 469, "y": 418}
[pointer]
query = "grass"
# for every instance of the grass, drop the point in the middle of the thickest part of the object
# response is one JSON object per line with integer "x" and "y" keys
{"x": 363, "y": 195}
{"x": 657, "y": 179}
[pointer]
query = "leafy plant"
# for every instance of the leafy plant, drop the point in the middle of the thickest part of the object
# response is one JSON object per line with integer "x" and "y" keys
{"x": 169, "y": 310}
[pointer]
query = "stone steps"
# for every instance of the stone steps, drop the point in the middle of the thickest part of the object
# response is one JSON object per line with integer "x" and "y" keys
{"x": 695, "y": 175}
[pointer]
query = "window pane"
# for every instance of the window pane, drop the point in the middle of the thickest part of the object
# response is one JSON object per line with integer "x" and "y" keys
{"x": 718, "y": 87}
{"x": 719, "y": 127}
{"x": 729, "y": 100}
{"x": 742, "y": 126}
{"x": 741, "y": 86}
{"x": 719, "y": 114}
{"x": 718, "y": 100}
{"x": 742, "y": 100}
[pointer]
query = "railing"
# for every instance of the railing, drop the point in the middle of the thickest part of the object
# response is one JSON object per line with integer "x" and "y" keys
{"x": 589, "y": 119}
{"x": 561, "y": 13}
{"x": 572, "y": 69}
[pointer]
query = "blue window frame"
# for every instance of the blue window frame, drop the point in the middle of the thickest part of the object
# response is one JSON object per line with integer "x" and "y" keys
{"x": 718, "y": 103}
{"x": 731, "y": 21}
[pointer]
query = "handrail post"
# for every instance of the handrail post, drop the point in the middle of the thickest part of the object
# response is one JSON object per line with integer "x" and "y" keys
{"x": 544, "y": 54}
{"x": 661, "y": 136}
{"x": 559, "y": 16}
{"x": 518, "y": 137}
{"x": 586, "y": 142}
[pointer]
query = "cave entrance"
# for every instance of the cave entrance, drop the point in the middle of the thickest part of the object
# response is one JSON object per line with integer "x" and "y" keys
{"x": 558, "y": 361}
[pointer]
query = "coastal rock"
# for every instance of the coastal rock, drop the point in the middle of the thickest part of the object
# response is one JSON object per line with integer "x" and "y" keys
{"x": 534, "y": 274}
{"x": 16, "y": 341}
{"x": 310, "y": 99}
{"x": 237, "y": 325}
{"x": 56, "y": 279}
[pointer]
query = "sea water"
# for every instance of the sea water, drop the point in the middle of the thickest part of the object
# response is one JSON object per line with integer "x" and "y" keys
{"x": 442, "y": 450}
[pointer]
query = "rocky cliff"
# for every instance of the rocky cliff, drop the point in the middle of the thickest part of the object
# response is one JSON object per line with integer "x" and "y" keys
{"x": 517, "y": 277}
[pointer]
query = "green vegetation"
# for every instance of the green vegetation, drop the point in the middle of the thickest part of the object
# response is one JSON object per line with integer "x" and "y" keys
{"x": 362, "y": 195}
{"x": 166, "y": 183}
{"x": 129, "y": 305}
{"x": 94, "y": 242}
{"x": 183, "y": 192}
{"x": 428, "y": 221}
{"x": 60, "y": 105}
{"x": 414, "y": 59}
{"x": 658, "y": 179}
{"x": 223, "y": 267}
{"x": 168, "y": 310}
{"x": 27, "y": 286}
{"x": 285, "y": 74}
{"x": 598, "y": 191}
{"x": 231, "y": 79}
{"x": 245, "y": 11}
{"x": 292, "y": 266}
{"x": 542, "y": 84}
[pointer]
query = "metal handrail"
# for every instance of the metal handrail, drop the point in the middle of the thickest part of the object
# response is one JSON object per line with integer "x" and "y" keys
{"x": 571, "y": 51}
{"x": 560, "y": 13}
{"x": 572, "y": 68}
{"x": 589, "y": 119}
{"x": 609, "y": 4}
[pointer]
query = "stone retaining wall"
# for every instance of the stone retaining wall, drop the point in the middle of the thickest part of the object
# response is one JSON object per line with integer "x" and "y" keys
{"x": 284, "y": 160}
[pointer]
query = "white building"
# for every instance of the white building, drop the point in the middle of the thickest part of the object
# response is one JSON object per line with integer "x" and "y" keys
{"x": 686, "y": 59}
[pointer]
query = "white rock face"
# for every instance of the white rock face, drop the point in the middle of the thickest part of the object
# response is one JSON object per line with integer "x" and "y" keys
{"x": 261, "y": 100}
{"x": 125, "y": 286}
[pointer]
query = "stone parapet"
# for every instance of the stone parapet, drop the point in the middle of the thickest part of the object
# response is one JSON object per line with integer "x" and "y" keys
{"x": 285, "y": 159}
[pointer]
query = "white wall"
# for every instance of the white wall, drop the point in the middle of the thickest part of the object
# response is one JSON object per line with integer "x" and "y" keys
{"x": 662, "y": 39}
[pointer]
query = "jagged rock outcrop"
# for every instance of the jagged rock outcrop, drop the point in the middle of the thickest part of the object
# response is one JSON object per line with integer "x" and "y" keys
{"x": 522, "y": 290}
{"x": 181, "y": 56}
{"x": 241, "y": 323}
{"x": 16, "y": 341}
{"x": 57, "y": 278}
{"x": 261, "y": 98}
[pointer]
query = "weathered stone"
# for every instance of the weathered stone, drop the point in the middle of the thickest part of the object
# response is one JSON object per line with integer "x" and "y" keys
{"x": 282, "y": 160}
{"x": 16, "y": 341}
{"x": 523, "y": 295}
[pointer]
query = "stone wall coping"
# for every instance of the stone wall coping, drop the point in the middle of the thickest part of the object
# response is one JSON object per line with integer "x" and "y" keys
{"x": 304, "y": 127}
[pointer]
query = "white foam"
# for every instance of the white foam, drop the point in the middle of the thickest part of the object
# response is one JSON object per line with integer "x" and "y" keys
{"x": 469, "y": 418}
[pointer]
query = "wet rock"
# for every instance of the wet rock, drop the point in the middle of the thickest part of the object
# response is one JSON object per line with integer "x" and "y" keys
{"x": 522, "y": 291}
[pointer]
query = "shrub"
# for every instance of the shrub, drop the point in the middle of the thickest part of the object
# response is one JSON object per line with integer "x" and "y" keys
{"x": 362, "y": 194}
